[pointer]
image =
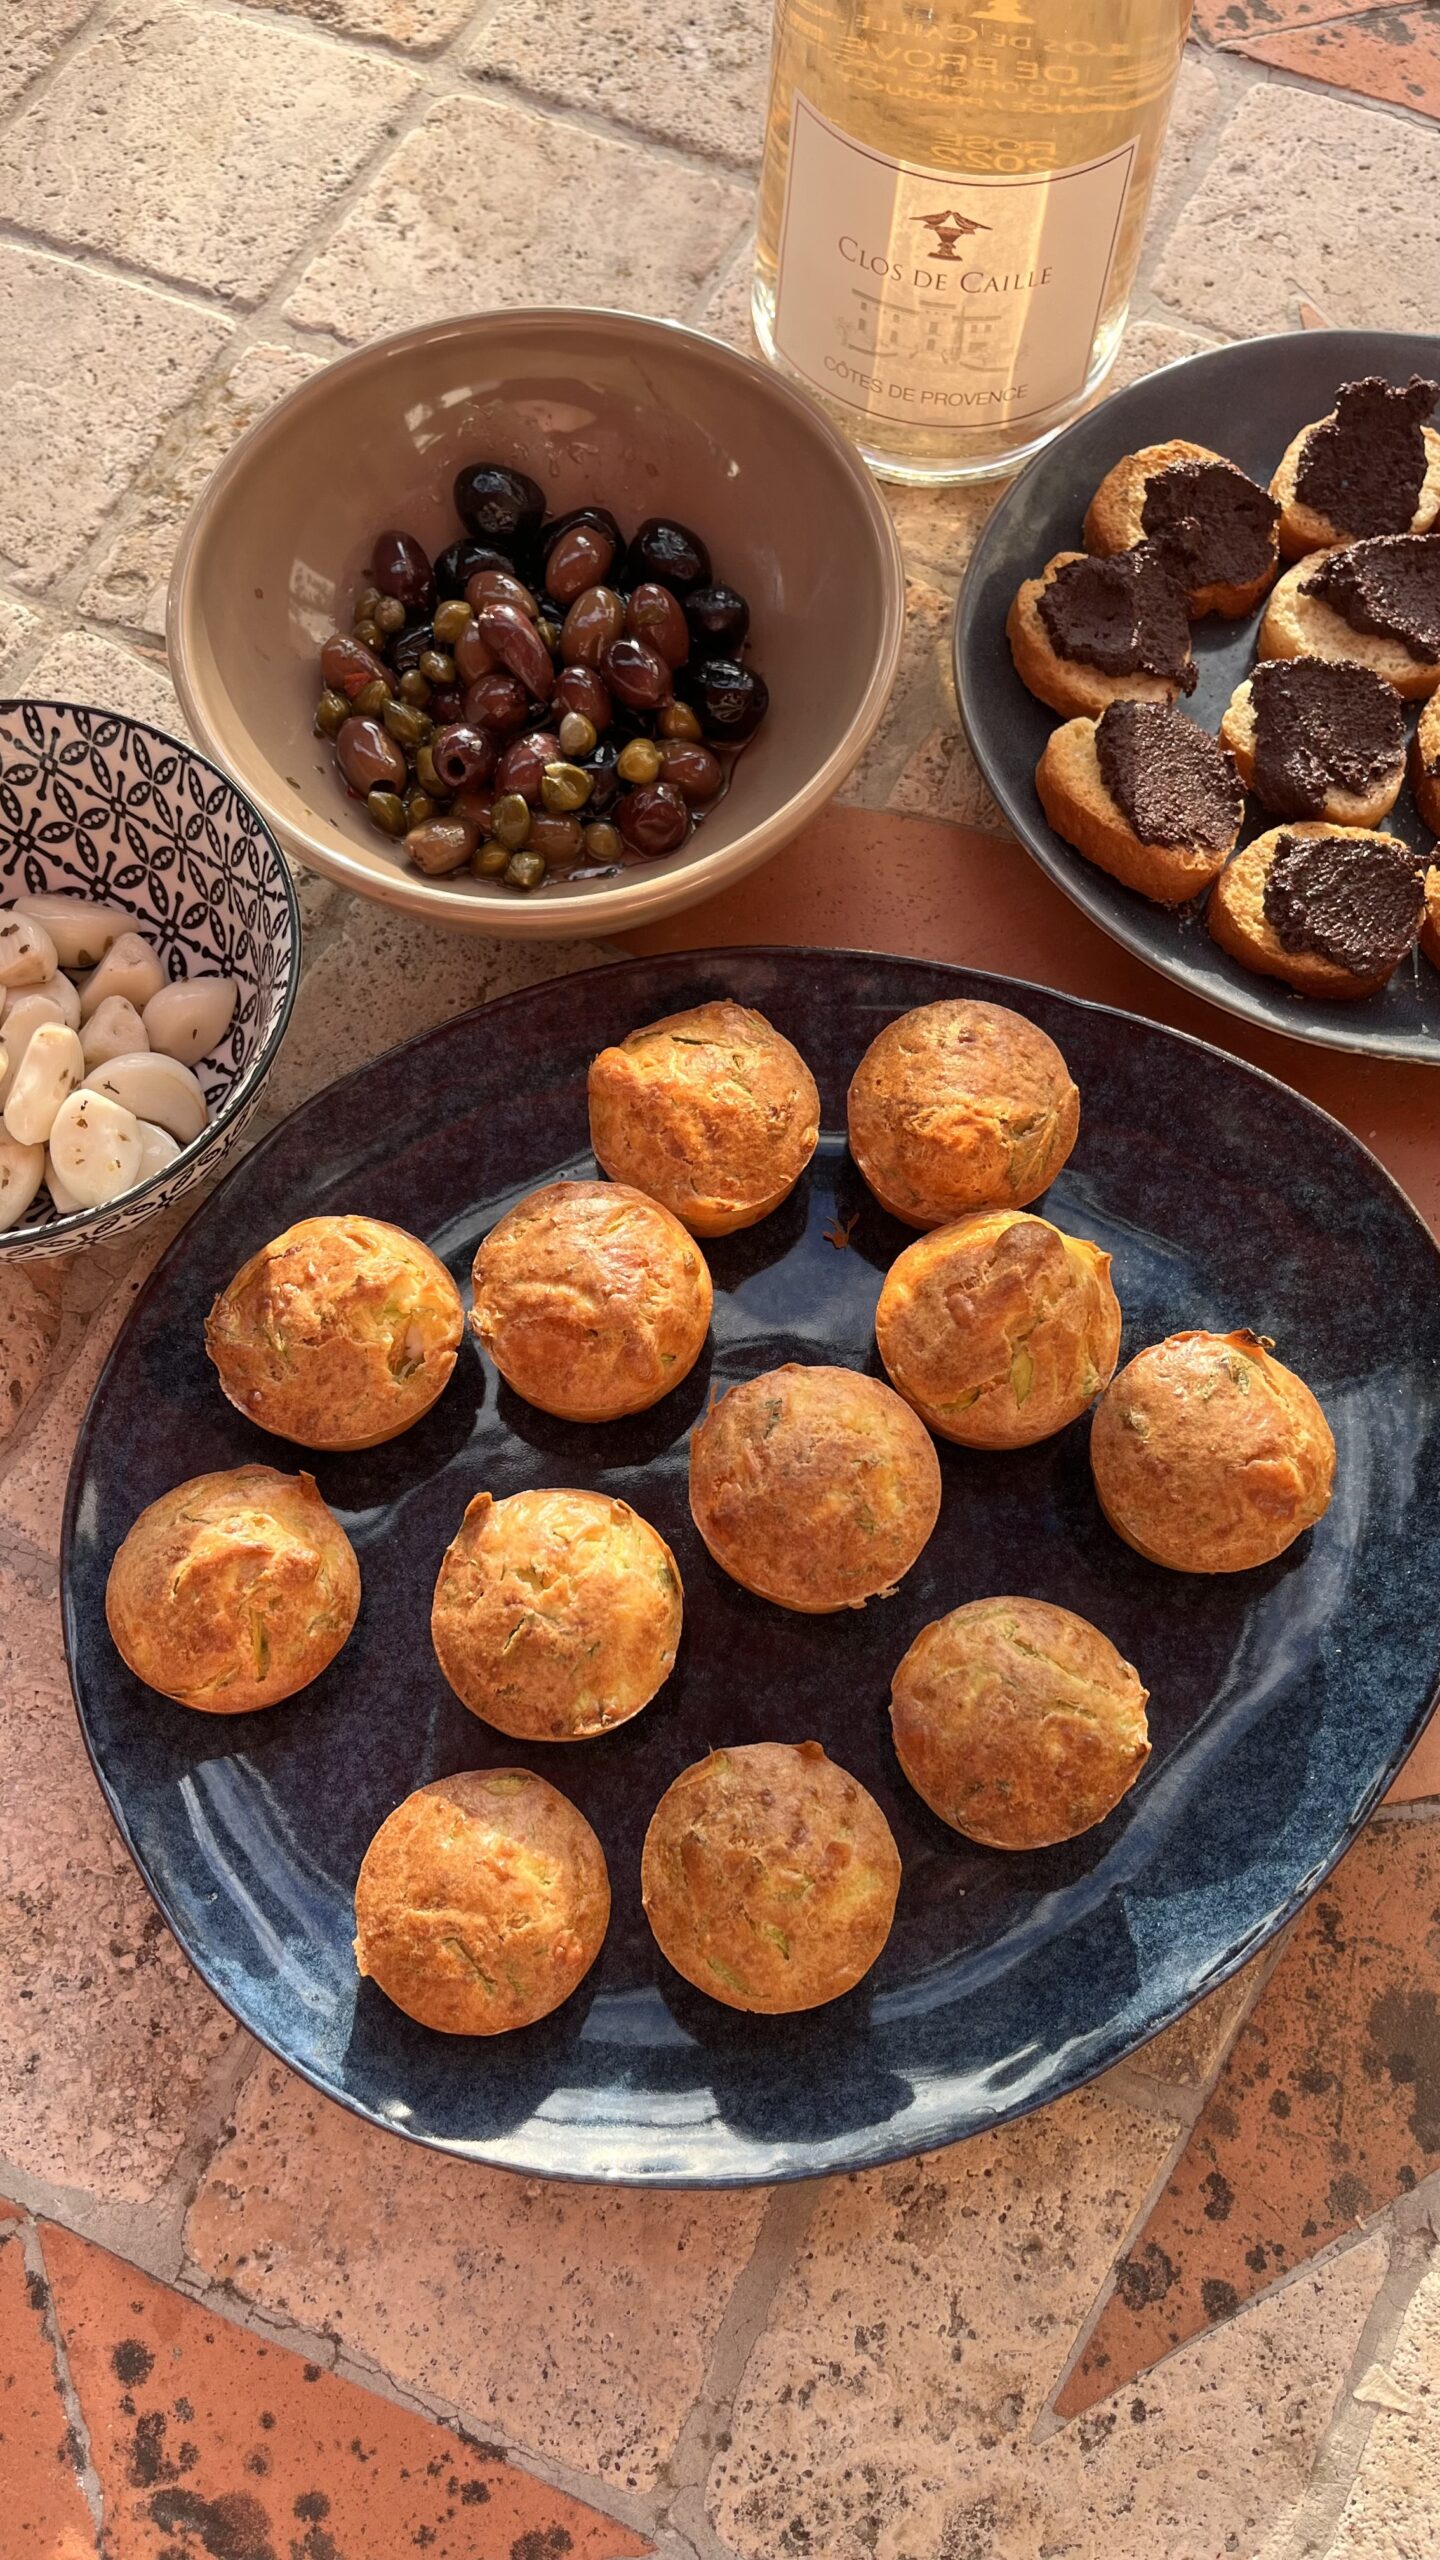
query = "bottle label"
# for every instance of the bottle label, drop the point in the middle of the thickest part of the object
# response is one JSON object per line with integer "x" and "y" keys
{"x": 938, "y": 300}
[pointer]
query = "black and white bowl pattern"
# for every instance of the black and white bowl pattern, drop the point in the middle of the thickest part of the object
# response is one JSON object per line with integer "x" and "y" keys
{"x": 101, "y": 806}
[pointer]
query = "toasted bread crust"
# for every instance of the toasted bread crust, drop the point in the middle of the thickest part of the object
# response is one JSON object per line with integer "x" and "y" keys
{"x": 1237, "y": 920}
{"x": 1303, "y": 529}
{"x": 1301, "y": 626}
{"x": 1342, "y": 808}
{"x": 1079, "y": 808}
{"x": 1067, "y": 685}
{"x": 1114, "y": 520}
{"x": 1425, "y": 765}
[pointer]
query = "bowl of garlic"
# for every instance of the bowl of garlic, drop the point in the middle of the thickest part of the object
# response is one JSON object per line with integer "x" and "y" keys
{"x": 149, "y": 954}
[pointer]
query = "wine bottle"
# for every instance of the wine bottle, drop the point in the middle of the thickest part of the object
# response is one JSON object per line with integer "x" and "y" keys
{"x": 951, "y": 213}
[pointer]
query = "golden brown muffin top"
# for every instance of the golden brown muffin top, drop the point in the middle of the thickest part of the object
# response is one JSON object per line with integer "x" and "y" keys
{"x": 1209, "y": 1455}
{"x": 958, "y": 1106}
{"x": 591, "y": 1300}
{"x": 1018, "y": 1722}
{"x": 769, "y": 1877}
{"x": 711, "y": 1111}
{"x": 815, "y": 1487}
{"x": 338, "y": 1334}
{"x": 233, "y": 1590}
{"x": 481, "y": 1902}
{"x": 556, "y": 1614}
{"x": 999, "y": 1329}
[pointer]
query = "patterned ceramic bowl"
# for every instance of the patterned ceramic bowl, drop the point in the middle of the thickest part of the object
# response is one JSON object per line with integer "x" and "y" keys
{"x": 102, "y": 806}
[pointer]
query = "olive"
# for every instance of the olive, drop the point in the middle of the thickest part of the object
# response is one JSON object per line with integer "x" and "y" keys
{"x": 602, "y": 768}
{"x": 678, "y": 720}
{"x": 473, "y": 656}
{"x": 581, "y": 555}
{"x": 489, "y": 859}
{"x": 550, "y": 631}
{"x": 455, "y": 568}
{"x": 413, "y": 687}
{"x": 501, "y": 586}
{"x": 400, "y": 568}
{"x": 653, "y": 819}
{"x": 463, "y": 756}
{"x": 652, "y": 614}
{"x": 579, "y": 690}
{"x": 347, "y": 666}
{"x": 418, "y": 807}
{"x": 441, "y": 845}
{"x": 498, "y": 505}
{"x": 524, "y": 761}
{"x": 476, "y": 806}
{"x": 669, "y": 552}
{"x": 636, "y": 673}
{"x": 732, "y": 700}
{"x": 595, "y": 521}
{"x": 596, "y": 617}
{"x": 408, "y": 725}
{"x": 371, "y": 699}
{"x": 577, "y": 735}
{"x": 330, "y": 711}
{"x": 696, "y": 774}
{"x": 369, "y": 633}
{"x": 436, "y": 666}
{"x": 450, "y": 621}
{"x": 558, "y": 839}
{"x": 387, "y": 811}
{"x": 718, "y": 619}
{"x": 639, "y": 761}
{"x": 525, "y": 870}
{"x": 389, "y": 615}
{"x": 426, "y": 775}
{"x": 518, "y": 645}
{"x": 510, "y": 820}
{"x": 363, "y": 609}
{"x": 368, "y": 759}
{"x": 603, "y": 843}
{"x": 564, "y": 787}
{"x": 408, "y": 647}
{"x": 498, "y": 701}
{"x": 447, "y": 703}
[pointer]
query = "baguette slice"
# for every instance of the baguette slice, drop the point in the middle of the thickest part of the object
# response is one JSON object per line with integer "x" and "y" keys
{"x": 1069, "y": 685}
{"x": 1079, "y": 807}
{"x": 1425, "y": 765}
{"x": 1114, "y": 520}
{"x": 1303, "y": 529}
{"x": 1301, "y": 626}
{"x": 1342, "y": 808}
{"x": 1237, "y": 920}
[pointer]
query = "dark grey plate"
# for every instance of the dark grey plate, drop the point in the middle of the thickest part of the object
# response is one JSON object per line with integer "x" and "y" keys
{"x": 1282, "y": 1700}
{"x": 1246, "y": 401}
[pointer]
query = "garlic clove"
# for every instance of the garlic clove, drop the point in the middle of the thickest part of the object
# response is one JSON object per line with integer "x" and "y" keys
{"x": 129, "y": 968}
{"x": 190, "y": 1017}
{"x": 47, "y": 1074}
{"x": 82, "y": 929}
{"x": 95, "y": 1147}
{"x": 114, "y": 1030}
{"x": 156, "y": 1088}
{"x": 27, "y": 954}
{"x": 22, "y": 1170}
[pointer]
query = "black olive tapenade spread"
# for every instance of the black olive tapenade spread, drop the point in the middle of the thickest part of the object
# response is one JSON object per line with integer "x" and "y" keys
{"x": 1346, "y": 898}
{"x": 1174, "y": 783}
{"x": 1124, "y": 614}
{"x": 1389, "y": 584}
{"x": 1364, "y": 468}
{"x": 1321, "y": 725}
{"x": 1214, "y": 523}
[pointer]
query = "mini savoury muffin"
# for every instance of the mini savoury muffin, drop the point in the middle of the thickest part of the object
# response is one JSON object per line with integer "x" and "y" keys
{"x": 1371, "y": 466}
{"x": 1145, "y": 795}
{"x": 711, "y": 1111}
{"x": 1213, "y": 526}
{"x": 1331, "y": 910}
{"x": 1087, "y": 631}
{"x": 591, "y": 1300}
{"x": 999, "y": 1330}
{"x": 816, "y": 1488}
{"x": 1018, "y": 1722}
{"x": 769, "y": 1877}
{"x": 960, "y": 1106}
{"x": 1425, "y": 765}
{"x": 339, "y": 1334}
{"x": 233, "y": 1591}
{"x": 1318, "y": 738}
{"x": 481, "y": 1902}
{"x": 1377, "y": 602}
{"x": 1209, "y": 1456}
{"x": 556, "y": 1614}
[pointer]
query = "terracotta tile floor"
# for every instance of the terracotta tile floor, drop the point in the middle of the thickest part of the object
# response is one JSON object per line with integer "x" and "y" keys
{"x": 1192, "y": 2314}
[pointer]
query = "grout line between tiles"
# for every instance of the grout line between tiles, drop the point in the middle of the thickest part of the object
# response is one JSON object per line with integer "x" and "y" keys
{"x": 77, "y": 2426}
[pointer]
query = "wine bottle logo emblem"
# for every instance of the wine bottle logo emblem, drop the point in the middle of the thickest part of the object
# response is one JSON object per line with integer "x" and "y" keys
{"x": 948, "y": 229}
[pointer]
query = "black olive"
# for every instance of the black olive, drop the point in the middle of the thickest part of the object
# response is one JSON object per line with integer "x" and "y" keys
{"x": 732, "y": 700}
{"x": 401, "y": 569}
{"x": 653, "y": 819}
{"x": 636, "y": 674}
{"x": 604, "y": 780}
{"x": 407, "y": 648}
{"x": 498, "y": 505}
{"x": 670, "y": 554}
{"x": 457, "y": 566}
{"x": 718, "y": 619}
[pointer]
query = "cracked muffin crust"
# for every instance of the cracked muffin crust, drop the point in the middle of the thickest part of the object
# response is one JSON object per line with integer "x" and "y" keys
{"x": 591, "y": 1300}
{"x": 1000, "y": 1329}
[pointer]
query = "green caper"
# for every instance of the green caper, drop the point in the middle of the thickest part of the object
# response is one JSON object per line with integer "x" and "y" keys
{"x": 525, "y": 870}
{"x": 372, "y": 698}
{"x": 408, "y": 726}
{"x": 387, "y": 811}
{"x": 370, "y": 632}
{"x": 331, "y": 709}
{"x": 451, "y": 619}
{"x": 577, "y": 735}
{"x": 550, "y": 634}
{"x": 418, "y": 807}
{"x": 639, "y": 761}
{"x": 436, "y": 666}
{"x": 413, "y": 688}
{"x": 491, "y": 859}
{"x": 510, "y": 820}
{"x": 389, "y": 614}
{"x": 363, "y": 609}
{"x": 603, "y": 843}
{"x": 564, "y": 787}
{"x": 426, "y": 774}
{"x": 677, "y": 720}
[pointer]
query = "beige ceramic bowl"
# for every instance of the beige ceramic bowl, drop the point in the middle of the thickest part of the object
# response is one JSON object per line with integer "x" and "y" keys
{"x": 637, "y": 415}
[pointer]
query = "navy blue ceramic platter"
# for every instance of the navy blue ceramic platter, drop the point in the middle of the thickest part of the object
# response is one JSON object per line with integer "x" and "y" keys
{"x": 1282, "y": 1700}
{"x": 1245, "y": 401}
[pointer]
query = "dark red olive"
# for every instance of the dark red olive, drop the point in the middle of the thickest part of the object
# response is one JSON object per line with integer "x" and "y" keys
{"x": 636, "y": 674}
{"x": 498, "y": 505}
{"x": 668, "y": 552}
{"x": 498, "y": 701}
{"x": 580, "y": 689}
{"x": 595, "y": 619}
{"x": 653, "y": 615}
{"x": 455, "y": 568}
{"x": 604, "y": 780}
{"x": 696, "y": 774}
{"x": 500, "y": 586}
{"x": 464, "y": 757}
{"x": 476, "y": 807}
{"x": 524, "y": 761}
{"x": 517, "y": 644}
{"x": 473, "y": 656}
{"x": 369, "y": 758}
{"x": 559, "y": 839}
{"x": 447, "y": 703}
{"x": 581, "y": 556}
{"x": 652, "y": 819}
{"x": 399, "y": 567}
{"x": 719, "y": 620}
{"x": 732, "y": 700}
{"x": 348, "y": 666}
{"x": 599, "y": 520}
{"x": 441, "y": 845}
